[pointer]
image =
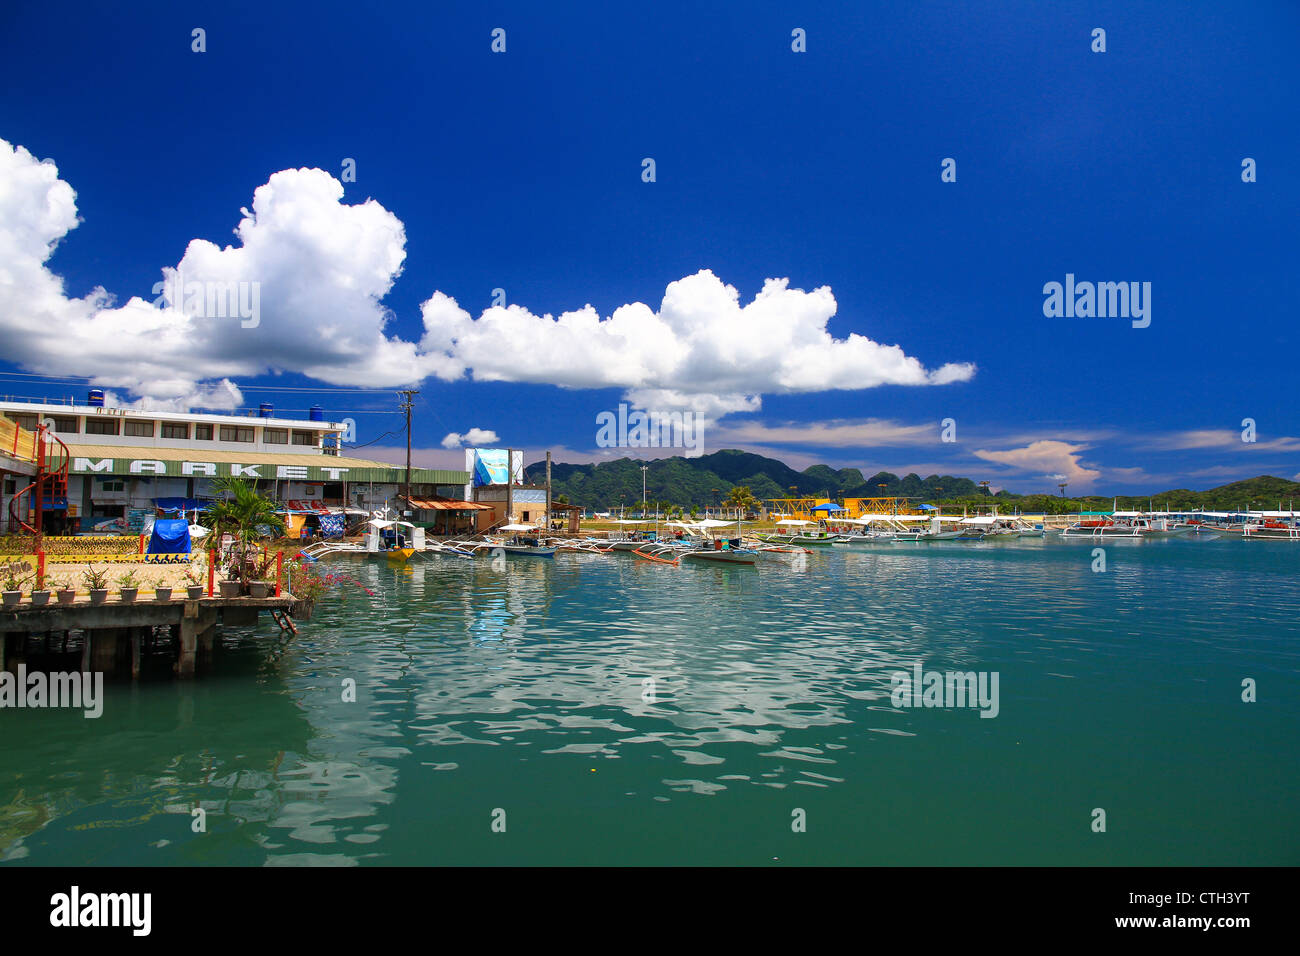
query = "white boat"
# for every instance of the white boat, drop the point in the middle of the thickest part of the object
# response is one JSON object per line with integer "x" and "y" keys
{"x": 1271, "y": 526}
{"x": 721, "y": 556}
{"x": 1121, "y": 525}
{"x": 520, "y": 540}
{"x": 385, "y": 538}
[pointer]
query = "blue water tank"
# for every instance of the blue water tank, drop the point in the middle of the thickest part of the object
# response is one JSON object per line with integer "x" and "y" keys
{"x": 316, "y": 414}
{"x": 266, "y": 409}
{"x": 96, "y": 398}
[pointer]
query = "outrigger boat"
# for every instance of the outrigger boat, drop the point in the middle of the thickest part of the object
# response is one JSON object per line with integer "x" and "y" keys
{"x": 1122, "y": 525}
{"x": 385, "y": 537}
{"x": 816, "y": 539}
{"x": 1271, "y": 526}
{"x": 519, "y": 543}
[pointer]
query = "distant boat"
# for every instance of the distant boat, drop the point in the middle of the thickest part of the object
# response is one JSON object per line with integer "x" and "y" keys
{"x": 520, "y": 543}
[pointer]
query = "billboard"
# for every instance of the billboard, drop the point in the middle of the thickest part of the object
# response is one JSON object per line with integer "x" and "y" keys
{"x": 488, "y": 466}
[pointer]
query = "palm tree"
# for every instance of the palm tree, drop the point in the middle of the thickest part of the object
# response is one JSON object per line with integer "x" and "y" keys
{"x": 240, "y": 512}
{"x": 740, "y": 497}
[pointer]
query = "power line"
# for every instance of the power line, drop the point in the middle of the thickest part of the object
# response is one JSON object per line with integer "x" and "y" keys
{"x": 85, "y": 379}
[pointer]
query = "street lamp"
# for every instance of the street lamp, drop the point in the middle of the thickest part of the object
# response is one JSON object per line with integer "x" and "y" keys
{"x": 1062, "y": 485}
{"x": 643, "y": 501}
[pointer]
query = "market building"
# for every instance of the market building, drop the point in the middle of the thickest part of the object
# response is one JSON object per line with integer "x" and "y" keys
{"x": 125, "y": 463}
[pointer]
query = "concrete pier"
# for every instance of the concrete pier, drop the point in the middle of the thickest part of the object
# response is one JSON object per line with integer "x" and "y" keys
{"x": 114, "y": 633}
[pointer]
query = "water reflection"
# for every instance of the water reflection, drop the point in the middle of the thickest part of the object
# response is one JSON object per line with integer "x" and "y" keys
{"x": 481, "y": 684}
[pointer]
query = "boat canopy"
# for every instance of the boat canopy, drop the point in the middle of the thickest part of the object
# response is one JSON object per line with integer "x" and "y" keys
{"x": 791, "y": 521}
{"x": 517, "y": 527}
{"x": 385, "y": 523}
{"x": 978, "y": 519}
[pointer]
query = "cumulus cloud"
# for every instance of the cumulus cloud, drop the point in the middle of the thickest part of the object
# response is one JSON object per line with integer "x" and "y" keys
{"x": 320, "y": 269}
{"x": 1055, "y": 459}
{"x": 702, "y": 349}
{"x": 475, "y": 437}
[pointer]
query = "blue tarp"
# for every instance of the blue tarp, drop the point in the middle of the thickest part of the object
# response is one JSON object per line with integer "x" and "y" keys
{"x": 830, "y": 508}
{"x": 170, "y": 536}
{"x": 929, "y": 508}
{"x": 331, "y": 526}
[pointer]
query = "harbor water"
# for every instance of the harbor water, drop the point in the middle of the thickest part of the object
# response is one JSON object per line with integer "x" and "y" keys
{"x": 594, "y": 709}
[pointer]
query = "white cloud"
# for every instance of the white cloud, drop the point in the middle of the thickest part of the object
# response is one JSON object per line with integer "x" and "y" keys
{"x": 322, "y": 270}
{"x": 1049, "y": 458}
{"x": 702, "y": 349}
{"x": 1222, "y": 439}
{"x": 867, "y": 433}
{"x": 475, "y": 437}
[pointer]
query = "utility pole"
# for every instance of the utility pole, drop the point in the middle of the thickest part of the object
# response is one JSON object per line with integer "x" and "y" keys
{"x": 548, "y": 492}
{"x": 643, "y": 502}
{"x": 407, "y": 394}
{"x": 510, "y": 486}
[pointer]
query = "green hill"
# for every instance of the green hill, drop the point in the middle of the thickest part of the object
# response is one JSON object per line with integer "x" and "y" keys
{"x": 706, "y": 480}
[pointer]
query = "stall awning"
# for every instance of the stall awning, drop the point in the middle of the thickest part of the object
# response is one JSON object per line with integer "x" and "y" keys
{"x": 447, "y": 504}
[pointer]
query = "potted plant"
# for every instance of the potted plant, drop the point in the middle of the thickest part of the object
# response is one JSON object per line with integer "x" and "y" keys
{"x": 128, "y": 586}
{"x": 193, "y": 583}
{"x": 161, "y": 592}
{"x": 13, "y": 584}
{"x": 308, "y": 584}
{"x": 67, "y": 594}
{"x": 96, "y": 584}
{"x": 40, "y": 597}
{"x": 242, "y": 513}
{"x": 259, "y": 589}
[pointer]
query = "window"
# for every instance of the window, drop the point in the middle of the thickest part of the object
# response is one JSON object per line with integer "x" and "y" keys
{"x": 178, "y": 430}
{"x": 236, "y": 433}
{"x": 275, "y": 436}
{"x": 22, "y": 421}
{"x": 65, "y": 424}
{"x": 203, "y": 433}
{"x": 101, "y": 426}
{"x": 112, "y": 484}
{"x": 138, "y": 428}
{"x": 304, "y": 438}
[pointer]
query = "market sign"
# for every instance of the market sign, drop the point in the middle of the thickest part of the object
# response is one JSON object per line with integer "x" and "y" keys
{"x": 204, "y": 469}
{"x": 330, "y": 470}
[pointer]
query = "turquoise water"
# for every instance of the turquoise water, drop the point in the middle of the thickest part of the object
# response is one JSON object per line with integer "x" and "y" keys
{"x": 519, "y": 688}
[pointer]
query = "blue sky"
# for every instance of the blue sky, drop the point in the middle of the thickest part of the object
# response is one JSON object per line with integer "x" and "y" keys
{"x": 522, "y": 171}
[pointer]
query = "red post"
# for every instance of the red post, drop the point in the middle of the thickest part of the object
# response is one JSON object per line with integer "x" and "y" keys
{"x": 142, "y": 542}
{"x": 279, "y": 565}
{"x": 40, "y": 570}
{"x": 212, "y": 568}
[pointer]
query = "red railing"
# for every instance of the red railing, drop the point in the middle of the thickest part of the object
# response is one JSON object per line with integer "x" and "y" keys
{"x": 49, "y": 483}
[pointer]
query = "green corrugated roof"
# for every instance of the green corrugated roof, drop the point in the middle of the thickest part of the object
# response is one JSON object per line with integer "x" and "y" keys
{"x": 146, "y": 460}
